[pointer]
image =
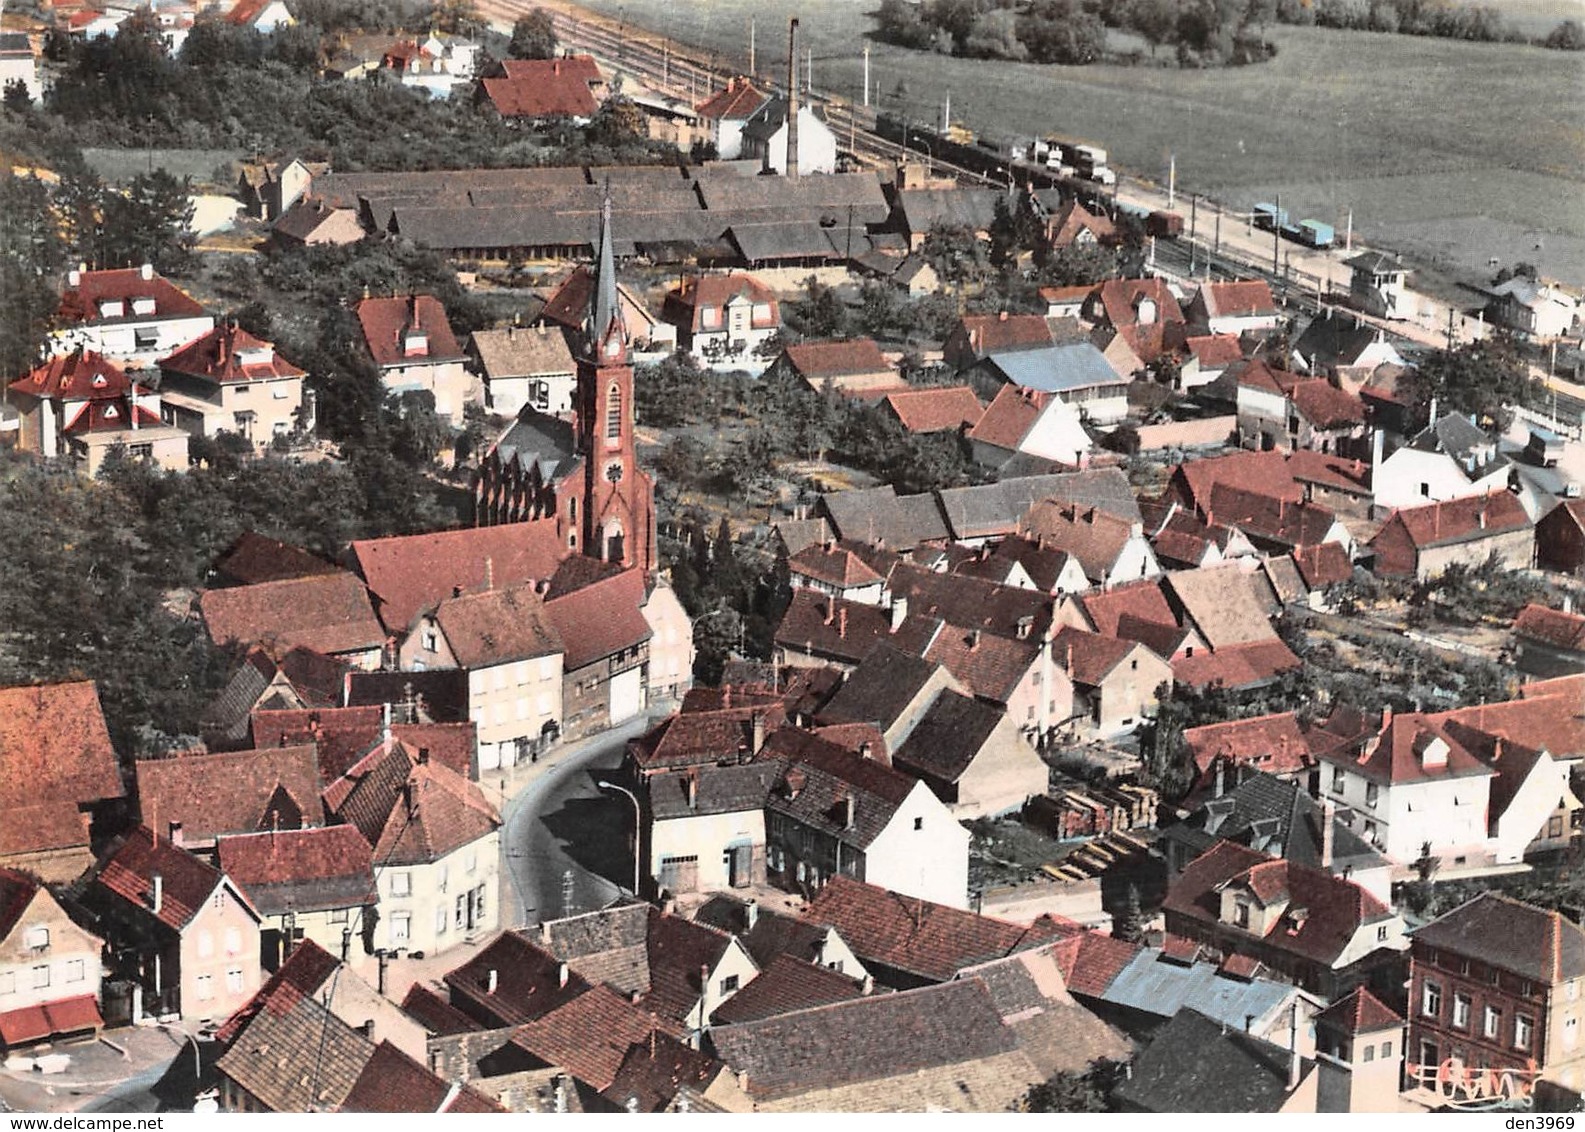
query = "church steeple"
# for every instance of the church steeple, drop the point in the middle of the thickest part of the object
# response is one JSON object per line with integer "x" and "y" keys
{"x": 605, "y": 330}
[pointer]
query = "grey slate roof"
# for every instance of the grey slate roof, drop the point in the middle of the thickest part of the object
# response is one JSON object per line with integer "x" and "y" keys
{"x": 880, "y": 514}
{"x": 880, "y": 688}
{"x": 1529, "y": 941}
{"x": 720, "y": 790}
{"x": 996, "y": 508}
{"x": 773, "y": 933}
{"x": 536, "y": 438}
{"x": 923, "y": 209}
{"x": 867, "y": 1039}
{"x": 948, "y": 737}
{"x": 1196, "y": 1065}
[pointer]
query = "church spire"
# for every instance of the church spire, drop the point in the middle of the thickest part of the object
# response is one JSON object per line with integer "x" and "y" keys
{"x": 606, "y": 330}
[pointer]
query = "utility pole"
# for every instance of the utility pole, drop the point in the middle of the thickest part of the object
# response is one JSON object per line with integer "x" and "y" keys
{"x": 1276, "y": 239}
{"x": 751, "y": 45}
{"x": 809, "y": 70}
{"x": 1348, "y": 232}
{"x": 566, "y": 894}
{"x": 1194, "y": 214}
{"x": 866, "y": 74}
{"x": 1172, "y": 178}
{"x": 1218, "y": 243}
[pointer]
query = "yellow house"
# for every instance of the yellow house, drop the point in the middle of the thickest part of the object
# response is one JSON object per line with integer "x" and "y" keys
{"x": 49, "y": 967}
{"x": 230, "y": 381}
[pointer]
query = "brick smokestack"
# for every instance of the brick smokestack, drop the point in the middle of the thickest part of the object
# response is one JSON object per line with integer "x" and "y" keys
{"x": 792, "y": 99}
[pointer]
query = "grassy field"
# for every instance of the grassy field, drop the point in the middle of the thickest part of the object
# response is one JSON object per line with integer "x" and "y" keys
{"x": 1429, "y": 142}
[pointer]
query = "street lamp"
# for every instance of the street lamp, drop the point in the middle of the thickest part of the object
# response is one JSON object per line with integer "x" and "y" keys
{"x": 638, "y": 825}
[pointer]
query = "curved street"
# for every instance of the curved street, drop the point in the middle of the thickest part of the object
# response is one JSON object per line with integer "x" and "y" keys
{"x": 559, "y": 823}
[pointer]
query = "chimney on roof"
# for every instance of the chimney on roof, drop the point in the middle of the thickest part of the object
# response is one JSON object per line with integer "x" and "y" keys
{"x": 756, "y": 732}
{"x": 847, "y": 810}
{"x": 1328, "y": 834}
{"x": 1220, "y": 787}
{"x": 866, "y": 750}
{"x": 867, "y": 984}
{"x": 1480, "y": 517}
{"x": 146, "y": 272}
{"x": 423, "y": 756}
{"x": 489, "y": 575}
{"x": 385, "y": 724}
{"x": 974, "y": 640}
{"x": 831, "y": 608}
{"x": 157, "y": 895}
{"x": 175, "y": 834}
{"x": 562, "y": 974}
{"x": 726, "y": 695}
{"x": 1001, "y": 316}
{"x": 74, "y": 277}
{"x": 792, "y": 101}
{"x": 842, "y": 623}
{"x": 690, "y": 785}
{"x": 899, "y": 612}
{"x": 492, "y": 980}
{"x": 750, "y": 914}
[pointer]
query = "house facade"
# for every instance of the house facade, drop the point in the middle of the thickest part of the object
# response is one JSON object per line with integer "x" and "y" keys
{"x": 130, "y": 315}
{"x": 230, "y": 381}
{"x": 49, "y": 967}
{"x": 719, "y": 317}
{"x": 411, "y": 342}
{"x": 82, "y": 406}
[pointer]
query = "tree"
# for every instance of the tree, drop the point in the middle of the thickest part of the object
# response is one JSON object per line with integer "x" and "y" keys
{"x": 821, "y": 313}
{"x": 1130, "y": 927}
{"x": 1486, "y": 378}
{"x": 533, "y": 36}
{"x": 618, "y": 122}
{"x": 1155, "y": 20}
{"x": 956, "y": 253}
{"x": 150, "y": 223}
{"x": 1567, "y": 36}
{"x": 32, "y": 256}
{"x": 994, "y": 35}
{"x": 1090, "y": 1091}
{"x": 16, "y": 98}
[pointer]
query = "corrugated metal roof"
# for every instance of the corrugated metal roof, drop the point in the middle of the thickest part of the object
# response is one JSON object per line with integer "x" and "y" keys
{"x": 1156, "y": 986}
{"x": 1058, "y": 369}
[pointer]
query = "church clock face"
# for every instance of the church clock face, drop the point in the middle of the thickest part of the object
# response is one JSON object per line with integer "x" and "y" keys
{"x": 614, "y": 472}
{"x": 613, "y": 346}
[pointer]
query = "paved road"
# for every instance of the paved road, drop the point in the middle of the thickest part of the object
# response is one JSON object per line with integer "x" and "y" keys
{"x": 561, "y": 821}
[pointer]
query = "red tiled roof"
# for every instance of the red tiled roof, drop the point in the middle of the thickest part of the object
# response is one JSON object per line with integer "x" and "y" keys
{"x": 1397, "y": 753}
{"x": 329, "y": 613}
{"x": 916, "y": 936}
{"x": 1333, "y": 472}
{"x": 987, "y": 665}
{"x": 588, "y": 1036}
{"x": 835, "y": 566}
{"x": 582, "y": 65}
{"x": 1360, "y": 1013}
{"x": 700, "y": 737}
{"x": 1334, "y": 908}
{"x": 393, "y": 1082}
{"x": 1324, "y": 564}
{"x": 1141, "y": 602}
{"x": 1551, "y": 626}
{"x": 1235, "y": 666}
{"x": 529, "y": 982}
{"x": 81, "y": 304}
{"x": 79, "y": 376}
{"x": 600, "y": 620}
{"x": 735, "y": 102}
{"x": 55, "y": 756}
{"x": 1095, "y": 537}
{"x": 413, "y": 812}
{"x": 17, "y": 891}
{"x": 1119, "y": 296}
{"x": 1272, "y": 743}
{"x": 994, "y": 333}
{"x": 1291, "y": 523}
{"x": 1010, "y": 416}
{"x": 257, "y": 862}
{"x": 1215, "y": 351}
{"x": 233, "y": 792}
{"x": 1454, "y": 521}
{"x": 230, "y": 355}
{"x": 1073, "y": 218}
{"x": 386, "y": 321}
{"x": 936, "y": 410}
{"x": 254, "y": 558}
{"x": 1263, "y": 472}
{"x": 1239, "y": 299}
{"x": 817, "y": 360}
{"x": 65, "y": 1016}
{"x": 1089, "y": 658}
{"x": 544, "y": 88}
{"x": 410, "y": 573}
{"x": 700, "y": 291}
{"x": 1090, "y": 961}
{"x": 787, "y": 984}
{"x": 846, "y": 631}
{"x": 246, "y": 11}
{"x": 129, "y": 869}
{"x": 497, "y": 627}
{"x": 1326, "y": 406}
{"x": 435, "y": 1014}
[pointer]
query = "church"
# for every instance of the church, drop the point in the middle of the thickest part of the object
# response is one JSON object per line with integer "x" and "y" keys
{"x": 582, "y": 472}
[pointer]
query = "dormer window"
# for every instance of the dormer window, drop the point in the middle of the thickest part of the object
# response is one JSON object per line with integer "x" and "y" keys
{"x": 415, "y": 344}
{"x": 1241, "y": 914}
{"x": 710, "y": 317}
{"x": 38, "y": 938}
{"x": 111, "y": 413}
{"x": 256, "y": 356}
{"x": 142, "y": 306}
{"x": 112, "y": 308}
{"x": 100, "y": 381}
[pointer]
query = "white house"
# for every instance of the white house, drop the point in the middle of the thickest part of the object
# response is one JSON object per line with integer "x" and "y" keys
{"x": 131, "y": 315}
{"x": 263, "y": 16}
{"x": 18, "y": 64}
{"x": 1450, "y": 459}
{"x": 707, "y": 826}
{"x": 765, "y": 139}
{"x": 1537, "y": 309}
{"x": 436, "y": 844}
{"x": 513, "y": 657}
{"x": 1416, "y": 788}
{"x": 49, "y": 967}
{"x": 1379, "y": 285}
